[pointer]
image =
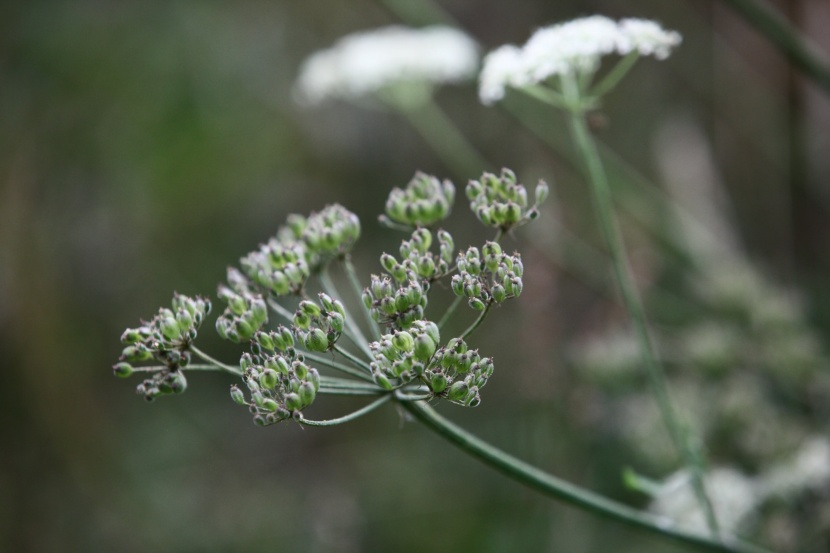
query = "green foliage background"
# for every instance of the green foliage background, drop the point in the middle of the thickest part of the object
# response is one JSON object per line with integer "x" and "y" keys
{"x": 144, "y": 146}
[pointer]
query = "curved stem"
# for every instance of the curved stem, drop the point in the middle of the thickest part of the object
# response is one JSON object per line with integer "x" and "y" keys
{"x": 332, "y": 364}
{"x": 351, "y": 416}
{"x": 562, "y": 490}
{"x": 477, "y": 322}
{"x": 350, "y": 392}
{"x": 351, "y": 274}
{"x": 227, "y": 368}
{"x": 351, "y": 330}
{"x": 356, "y": 361}
{"x": 613, "y": 238}
{"x": 449, "y": 313}
{"x": 280, "y": 310}
{"x": 615, "y": 75}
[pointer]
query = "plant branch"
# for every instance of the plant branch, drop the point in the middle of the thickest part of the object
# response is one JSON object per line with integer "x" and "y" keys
{"x": 613, "y": 237}
{"x": 351, "y": 416}
{"x": 351, "y": 275}
{"x": 332, "y": 364}
{"x": 478, "y": 321}
{"x": 227, "y": 368}
{"x": 351, "y": 330}
{"x": 562, "y": 490}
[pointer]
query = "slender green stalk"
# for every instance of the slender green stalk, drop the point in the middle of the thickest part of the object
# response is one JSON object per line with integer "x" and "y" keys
{"x": 333, "y": 382}
{"x": 613, "y": 237}
{"x": 802, "y": 53}
{"x": 478, "y": 321}
{"x": 332, "y": 364}
{"x": 280, "y": 310}
{"x": 450, "y": 311}
{"x": 356, "y": 361}
{"x": 351, "y": 274}
{"x": 615, "y": 75}
{"x": 351, "y": 416}
{"x": 444, "y": 138}
{"x": 562, "y": 490}
{"x": 351, "y": 329}
{"x": 227, "y": 368}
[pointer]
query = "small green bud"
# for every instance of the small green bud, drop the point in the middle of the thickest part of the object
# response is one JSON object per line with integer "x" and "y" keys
{"x": 316, "y": 340}
{"x": 311, "y": 309}
{"x": 237, "y": 395}
{"x": 476, "y": 304}
{"x": 268, "y": 379}
{"x": 302, "y": 319}
{"x": 438, "y": 383}
{"x": 458, "y": 391}
{"x": 307, "y": 393}
{"x": 269, "y": 405}
{"x": 134, "y": 354}
{"x": 300, "y": 369}
{"x": 424, "y": 347}
{"x": 403, "y": 341}
{"x": 382, "y": 381}
{"x": 131, "y": 336}
{"x": 293, "y": 402}
{"x": 498, "y": 292}
{"x": 122, "y": 369}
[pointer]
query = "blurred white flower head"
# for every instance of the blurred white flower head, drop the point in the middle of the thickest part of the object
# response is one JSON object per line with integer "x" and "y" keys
{"x": 361, "y": 64}
{"x": 575, "y": 47}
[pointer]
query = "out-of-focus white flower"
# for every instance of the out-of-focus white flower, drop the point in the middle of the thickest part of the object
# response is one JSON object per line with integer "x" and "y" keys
{"x": 567, "y": 48}
{"x": 734, "y": 499}
{"x": 364, "y": 63}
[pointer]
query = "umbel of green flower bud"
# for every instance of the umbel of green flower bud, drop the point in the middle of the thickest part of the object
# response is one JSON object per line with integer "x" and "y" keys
{"x": 326, "y": 234}
{"x": 245, "y": 314}
{"x": 318, "y": 327}
{"x": 397, "y": 306}
{"x": 425, "y": 201}
{"x": 279, "y": 382}
{"x": 418, "y": 260}
{"x": 403, "y": 355}
{"x": 277, "y": 268}
{"x": 165, "y": 339}
{"x": 500, "y": 202}
{"x": 458, "y": 374}
{"x": 487, "y": 276}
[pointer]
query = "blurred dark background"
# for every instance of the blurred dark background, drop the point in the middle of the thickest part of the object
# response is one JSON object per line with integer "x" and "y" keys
{"x": 145, "y": 146}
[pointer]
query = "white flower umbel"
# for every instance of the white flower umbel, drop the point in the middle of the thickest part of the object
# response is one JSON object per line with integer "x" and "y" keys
{"x": 365, "y": 63}
{"x": 574, "y": 48}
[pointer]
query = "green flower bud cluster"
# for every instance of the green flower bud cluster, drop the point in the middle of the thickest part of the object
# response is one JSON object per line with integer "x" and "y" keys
{"x": 329, "y": 233}
{"x": 404, "y": 354}
{"x": 165, "y": 339}
{"x": 396, "y": 306}
{"x": 279, "y": 382}
{"x": 425, "y": 201}
{"x": 245, "y": 314}
{"x": 457, "y": 373}
{"x": 500, "y": 202}
{"x": 318, "y": 327}
{"x": 278, "y": 268}
{"x": 487, "y": 276}
{"x": 417, "y": 259}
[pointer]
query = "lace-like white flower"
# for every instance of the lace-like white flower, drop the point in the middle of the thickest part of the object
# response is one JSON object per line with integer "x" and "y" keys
{"x": 364, "y": 63}
{"x": 573, "y": 47}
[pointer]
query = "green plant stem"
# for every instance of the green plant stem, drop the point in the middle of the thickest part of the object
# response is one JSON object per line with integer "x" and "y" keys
{"x": 552, "y": 486}
{"x": 444, "y": 138}
{"x": 478, "y": 321}
{"x": 449, "y": 313}
{"x": 351, "y": 328}
{"x": 227, "y": 368}
{"x": 615, "y": 75}
{"x": 332, "y": 364}
{"x": 280, "y": 310}
{"x": 356, "y": 361}
{"x": 351, "y": 416}
{"x": 802, "y": 53}
{"x": 344, "y": 383}
{"x": 613, "y": 238}
{"x": 351, "y": 275}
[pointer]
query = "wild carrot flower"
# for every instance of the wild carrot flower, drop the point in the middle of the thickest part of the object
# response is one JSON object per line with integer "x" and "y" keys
{"x": 365, "y": 63}
{"x": 575, "y": 47}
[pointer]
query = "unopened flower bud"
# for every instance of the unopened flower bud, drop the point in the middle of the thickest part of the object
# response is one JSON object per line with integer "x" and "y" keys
{"x": 293, "y": 402}
{"x": 237, "y": 395}
{"x": 268, "y": 379}
{"x": 438, "y": 383}
{"x": 458, "y": 391}
{"x": 307, "y": 393}
{"x": 316, "y": 340}
{"x": 122, "y": 369}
